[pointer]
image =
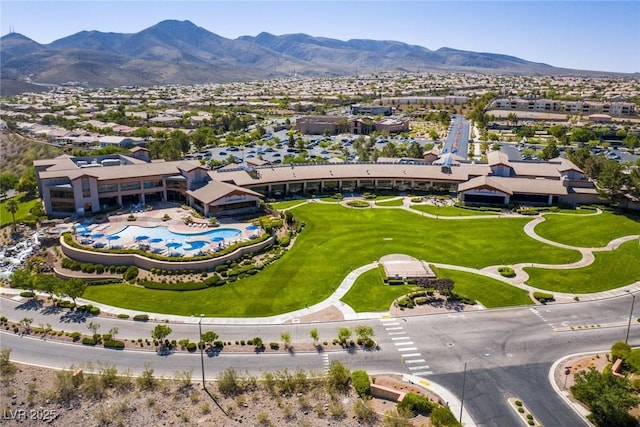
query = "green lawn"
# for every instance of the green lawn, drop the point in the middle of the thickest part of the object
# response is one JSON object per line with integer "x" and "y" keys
{"x": 287, "y": 204}
{"x": 610, "y": 270}
{"x": 487, "y": 291}
{"x": 396, "y": 202}
{"x": 588, "y": 231}
{"x": 370, "y": 293}
{"x": 335, "y": 241}
{"x": 449, "y": 211}
{"x": 24, "y": 206}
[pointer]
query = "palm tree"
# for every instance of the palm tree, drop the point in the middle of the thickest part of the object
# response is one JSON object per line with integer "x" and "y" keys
{"x": 12, "y": 208}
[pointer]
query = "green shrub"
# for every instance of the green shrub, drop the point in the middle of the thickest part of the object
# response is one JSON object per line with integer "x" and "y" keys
{"x": 65, "y": 304}
{"x": 27, "y": 294}
{"x": 117, "y": 344}
{"x": 191, "y": 347}
{"x": 518, "y": 403}
{"x": 75, "y": 336}
{"x": 443, "y": 417}
{"x": 416, "y": 404}
{"x": 274, "y": 346}
{"x": 123, "y": 316}
{"x": 141, "y": 317}
{"x": 361, "y": 383}
{"x": 131, "y": 273}
{"x": 543, "y": 296}
{"x": 89, "y": 341}
{"x": 506, "y": 271}
{"x": 94, "y": 311}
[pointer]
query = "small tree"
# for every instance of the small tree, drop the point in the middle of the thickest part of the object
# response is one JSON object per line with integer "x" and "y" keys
{"x": 343, "y": 335}
{"x": 160, "y": 332}
{"x": 363, "y": 332}
{"x": 12, "y": 207}
{"x": 314, "y": 335}
{"x": 26, "y": 322}
{"x": 286, "y": 339}
{"x": 113, "y": 332}
{"x": 74, "y": 288}
{"x": 93, "y": 327}
{"x": 209, "y": 337}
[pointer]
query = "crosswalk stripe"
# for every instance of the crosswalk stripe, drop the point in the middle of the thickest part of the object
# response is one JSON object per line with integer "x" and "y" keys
{"x": 398, "y": 344}
{"x": 417, "y": 368}
{"x": 423, "y": 373}
{"x": 397, "y": 333}
{"x": 414, "y": 360}
{"x": 407, "y": 349}
{"x": 411, "y": 355}
{"x": 400, "y": 338}
{"x": 390, "y": 323}
{"x": 396, "y": 328}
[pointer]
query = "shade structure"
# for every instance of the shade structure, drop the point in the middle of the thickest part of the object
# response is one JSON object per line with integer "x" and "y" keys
{"x": 140, "y": 238}
{"x": 173, "y": 245}
{"x": 97, "y": 235}
{"x": 252, "y": 227}
{"x": 113, "y": 237}
{"x": 156, "y": 240}
{"x": 217, "y": 239}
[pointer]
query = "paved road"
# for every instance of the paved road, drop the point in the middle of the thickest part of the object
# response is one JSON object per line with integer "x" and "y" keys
{"x": 457, "y": 141}
{"x": 508, "y": 352}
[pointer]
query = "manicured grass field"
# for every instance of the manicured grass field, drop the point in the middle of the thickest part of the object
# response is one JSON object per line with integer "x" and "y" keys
{"x": 24, "y": 206}
{"x": 610, "y": 270}
{"x": 370, "y": 293}
{"x": 588, "y": 231}
{"x": 449, "y": 211}
{"x": 287, "y": 204}
{"x": 487, "y": 291}
{"x": 335, "y": 241}
{"x": 395, "y": 202}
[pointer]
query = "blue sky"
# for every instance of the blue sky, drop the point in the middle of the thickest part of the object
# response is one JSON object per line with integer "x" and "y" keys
{"x": 592, "y": 35}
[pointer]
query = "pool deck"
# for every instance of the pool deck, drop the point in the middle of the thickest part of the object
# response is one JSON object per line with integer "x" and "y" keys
{"x": 154, "y": 218}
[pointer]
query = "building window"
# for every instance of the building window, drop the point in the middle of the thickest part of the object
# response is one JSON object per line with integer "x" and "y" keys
{"x": 86, "y": 187}
{"x": 126, "y": 186}
{"x": 58, "y": 193}
{"x": 153, "y": 184}
{"x": 107, "y": 188}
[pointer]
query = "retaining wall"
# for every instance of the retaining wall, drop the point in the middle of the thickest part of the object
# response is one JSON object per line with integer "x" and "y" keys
{"x": 145, "y": 263}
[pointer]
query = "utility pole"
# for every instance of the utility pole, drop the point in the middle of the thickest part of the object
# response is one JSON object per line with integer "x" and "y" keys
{"x": 204, "y": 385}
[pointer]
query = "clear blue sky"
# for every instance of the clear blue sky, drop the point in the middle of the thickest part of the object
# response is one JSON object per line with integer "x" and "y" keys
{"x": 591, "y": 35}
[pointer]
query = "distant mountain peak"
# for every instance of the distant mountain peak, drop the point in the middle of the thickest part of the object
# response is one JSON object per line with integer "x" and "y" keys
{"x": 180, "y": 52}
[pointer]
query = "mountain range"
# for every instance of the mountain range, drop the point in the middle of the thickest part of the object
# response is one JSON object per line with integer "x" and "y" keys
{"x": 179, "y": 52}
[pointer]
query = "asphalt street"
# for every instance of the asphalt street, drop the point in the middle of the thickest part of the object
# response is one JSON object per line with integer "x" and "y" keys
{"x": 508, "y": 352}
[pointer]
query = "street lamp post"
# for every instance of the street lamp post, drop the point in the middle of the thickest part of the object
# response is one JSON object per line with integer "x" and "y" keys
{"x": 464, "y": 381}
{"x": 204, "y": 385}
{"x": 633, "y": 301}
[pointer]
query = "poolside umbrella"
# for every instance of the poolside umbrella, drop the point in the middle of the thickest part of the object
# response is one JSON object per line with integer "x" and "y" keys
{"x": 112, "y": 237}
{"x": 155, "y": 240}
{"x": 97, "y": 235}
{"x": 252, "y": 227}
{"x": 140, "y": 238}
{"x": 174, "y": 245}
{"x": 217, "y": 239}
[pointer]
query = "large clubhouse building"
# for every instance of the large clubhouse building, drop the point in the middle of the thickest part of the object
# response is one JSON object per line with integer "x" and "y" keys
{"x": 77, "y": 185}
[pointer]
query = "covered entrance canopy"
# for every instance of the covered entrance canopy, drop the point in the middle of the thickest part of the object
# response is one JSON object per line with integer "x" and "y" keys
{"x": 405, "y": 266}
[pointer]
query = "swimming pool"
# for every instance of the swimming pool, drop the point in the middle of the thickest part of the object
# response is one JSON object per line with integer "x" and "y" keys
{"x": 189, "y": 241}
